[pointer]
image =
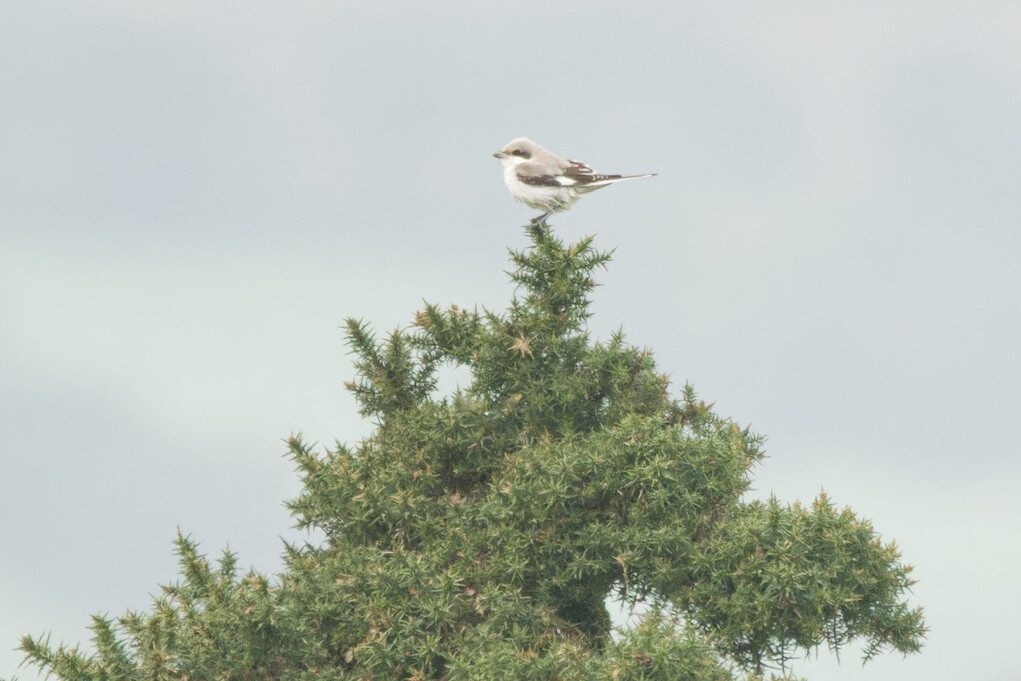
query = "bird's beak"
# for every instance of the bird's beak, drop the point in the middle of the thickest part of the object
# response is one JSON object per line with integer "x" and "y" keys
{"x": 498, "y": 154}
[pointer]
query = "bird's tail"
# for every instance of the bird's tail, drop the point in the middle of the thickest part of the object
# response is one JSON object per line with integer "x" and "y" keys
{"x": 603, "y": 180}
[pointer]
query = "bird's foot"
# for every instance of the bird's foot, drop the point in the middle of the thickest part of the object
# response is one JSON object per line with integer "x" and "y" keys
{"x": 540, "y": 220}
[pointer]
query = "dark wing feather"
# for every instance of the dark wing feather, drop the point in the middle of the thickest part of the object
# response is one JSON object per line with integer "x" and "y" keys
{"x": 575, "y": 174}
{"x": 582, "y": 174}
{"x": 535, "y": 175}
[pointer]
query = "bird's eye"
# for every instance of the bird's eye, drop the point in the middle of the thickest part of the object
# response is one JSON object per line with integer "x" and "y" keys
{"x": 520, "y": 152}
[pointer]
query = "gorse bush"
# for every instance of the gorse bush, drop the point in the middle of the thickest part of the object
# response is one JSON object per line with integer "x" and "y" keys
{"x": 478, "y": 535}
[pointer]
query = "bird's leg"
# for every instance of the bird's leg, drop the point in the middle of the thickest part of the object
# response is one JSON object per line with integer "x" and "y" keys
{"x": 541, "y": 219}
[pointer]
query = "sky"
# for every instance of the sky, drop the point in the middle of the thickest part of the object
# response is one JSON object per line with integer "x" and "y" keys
{"x": 194, "y": 196}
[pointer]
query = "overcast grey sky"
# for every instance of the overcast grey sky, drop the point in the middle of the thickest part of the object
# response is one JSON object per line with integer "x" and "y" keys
{"x": 194, "y": 195}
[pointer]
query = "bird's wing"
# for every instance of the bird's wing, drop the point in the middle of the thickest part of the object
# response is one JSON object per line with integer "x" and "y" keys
{"x": 579, "y": 172}
{"x": 582, "y": 175}
{"x": 569, "y": 174}
{"x": 540, "y": 175}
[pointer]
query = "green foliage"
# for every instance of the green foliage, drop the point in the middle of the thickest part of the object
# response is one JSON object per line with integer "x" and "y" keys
{"x": 478, "y": 535}
{"x": 776, "y": 579}
{"x": 210, "y": 625}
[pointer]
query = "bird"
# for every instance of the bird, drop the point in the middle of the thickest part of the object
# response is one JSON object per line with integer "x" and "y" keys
{"x": 542, "y": 180}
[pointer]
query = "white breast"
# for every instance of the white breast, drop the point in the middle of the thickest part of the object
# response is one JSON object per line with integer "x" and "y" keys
{"x": 545, "y": 198}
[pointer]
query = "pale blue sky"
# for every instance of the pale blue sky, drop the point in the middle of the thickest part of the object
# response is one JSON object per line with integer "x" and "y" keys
{"x": 193, "y": 196}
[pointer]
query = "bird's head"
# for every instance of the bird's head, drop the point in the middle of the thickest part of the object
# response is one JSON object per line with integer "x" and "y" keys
{"x": 518, "y": 151}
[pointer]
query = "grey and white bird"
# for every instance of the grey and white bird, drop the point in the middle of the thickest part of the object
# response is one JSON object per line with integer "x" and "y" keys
{"x": 542, "y": 180}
